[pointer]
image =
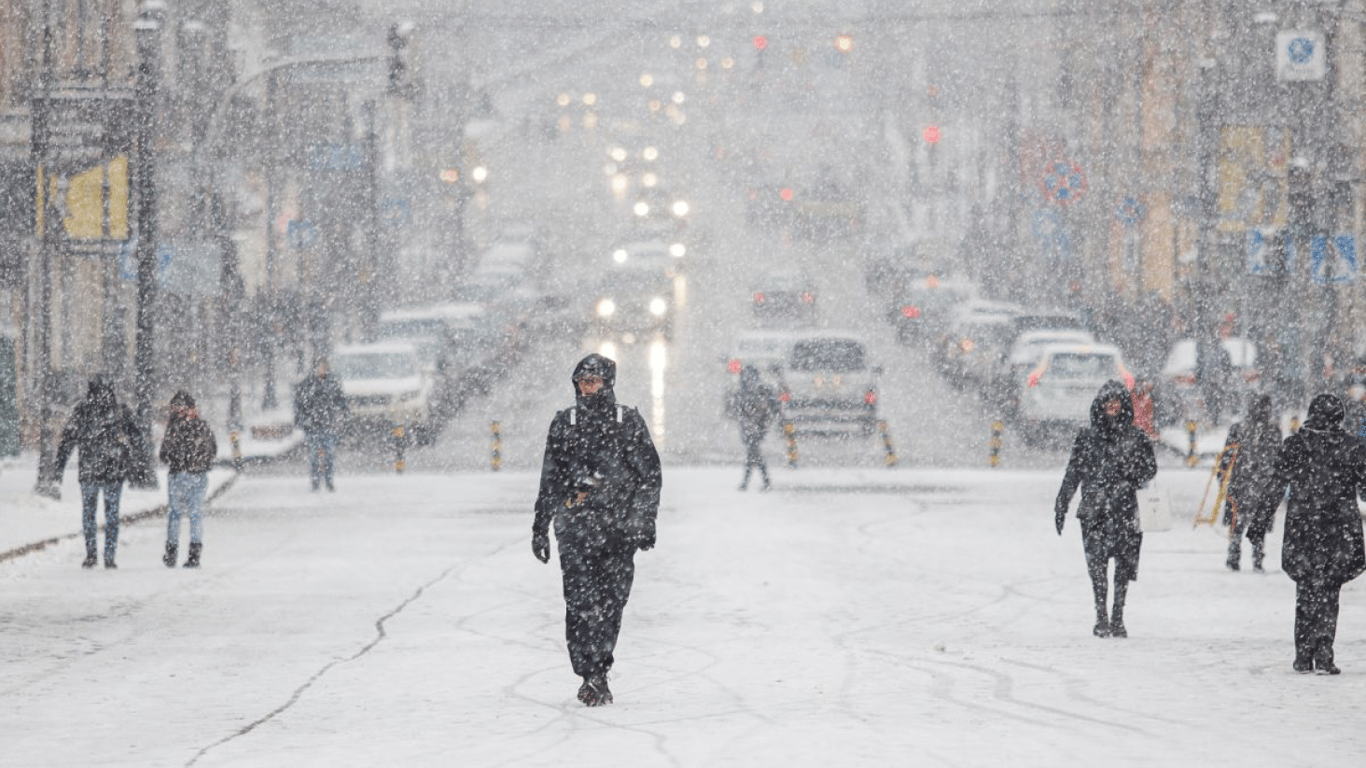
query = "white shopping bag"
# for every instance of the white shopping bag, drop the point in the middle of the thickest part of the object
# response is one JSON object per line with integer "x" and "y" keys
{"x": 1154, "y": 513}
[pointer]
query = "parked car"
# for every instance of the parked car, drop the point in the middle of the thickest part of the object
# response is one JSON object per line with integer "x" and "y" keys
{"x": 385, "y": 384}
{"x": 1178, "y": 391}
{"x": 1059, "y": 390}
{"x": 974, "y": 343}
{"x": 828, "y": 384}
{"x": 921, "y": 310}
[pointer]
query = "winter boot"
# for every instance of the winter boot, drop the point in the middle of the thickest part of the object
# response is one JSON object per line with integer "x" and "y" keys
{"x": 1258, "y": 554}
{"x": 1117, "y": 613}
{"x": 1235, "y": 556}
{"x": 168, "y": 559}
{"x": 1102, "y": 628}
{"x": 193, "y": 560}
{"x": 594, "y": 691}
{"x": 90, "y": 560}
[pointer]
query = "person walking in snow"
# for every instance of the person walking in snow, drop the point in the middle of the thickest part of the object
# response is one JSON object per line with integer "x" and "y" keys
{"x": 600, "y": 483}
{"x": 1110, "y": 461}
{"x": 753, "y": 405}
{"x": 1249, "y": 461}
{"x": 320, "y": 410}
{"x": 189, "y": 450}
{"x": 1324, "y": 470}
{"x": 109, "y": 444}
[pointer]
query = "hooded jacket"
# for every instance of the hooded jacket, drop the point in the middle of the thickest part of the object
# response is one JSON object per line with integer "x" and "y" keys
{"x": 753, "y": 405}
{"x": 1324, "y": 470}
{"x": 1110, "y": 460}
{"x": 106, "y": 435}
{"x": 319, "y": 404}
{"x": 189, "y": 446}
{"x": 603, "y": 450}
{"x": 1251, "y": 451}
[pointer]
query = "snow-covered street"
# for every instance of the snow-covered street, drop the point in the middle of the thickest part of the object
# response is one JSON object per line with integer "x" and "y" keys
{"x": 849, "y": 617}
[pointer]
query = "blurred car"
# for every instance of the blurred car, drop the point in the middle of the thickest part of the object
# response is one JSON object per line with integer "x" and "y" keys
{"x": 783, "y": 299}
{"x": 828, "y": 384}
{"x": 768, "y": 351}
{"x": 921, "y": 310}
{"x": 1060, "y": 388}
{"x": 665, "y": 255}
{"x": 634, "y": 299}
{"x": 974, "y": 342}
{"x": 385, "y": 384}
{"x": 1178, "y": 391}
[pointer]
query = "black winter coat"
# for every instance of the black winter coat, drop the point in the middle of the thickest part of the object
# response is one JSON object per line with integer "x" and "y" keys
{"x": 319, "y": 404}
{"x": 1324, "y": 469}
{"x": 1110, "y": 460}
{"x": 754, "y": 405}
{"x": 603, "y": 450}
{"x": 189, "y": 446}
{"x": 107, "y": 436}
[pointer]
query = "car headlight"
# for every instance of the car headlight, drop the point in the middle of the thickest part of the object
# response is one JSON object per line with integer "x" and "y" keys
{"x": 642, "y": 209}
{"x": 658, "y": 306}
{"x": 678, "y": 250}
{"x": 680, "y": 208}
{"x": 606, "y": 308}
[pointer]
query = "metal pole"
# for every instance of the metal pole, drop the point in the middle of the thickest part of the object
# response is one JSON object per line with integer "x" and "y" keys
{"x": 269, "y": 400}
{"x": 41, "y": 358}
{"x": 147, "y": 29}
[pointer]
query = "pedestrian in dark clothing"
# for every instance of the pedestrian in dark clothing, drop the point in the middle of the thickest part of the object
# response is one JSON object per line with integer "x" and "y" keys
{"x": 1110, "y": 461}
{"x": 753, "y": 405}
{"x": 1248, "y": 462}
{"x": 320, "y": 410}
{"x": 1214, "y": 373}
{"x": 109, "y": 443}
{"x": 600, "y": 484}
{"x": 189, "y": 450}
{"x": 1324, "y": 469}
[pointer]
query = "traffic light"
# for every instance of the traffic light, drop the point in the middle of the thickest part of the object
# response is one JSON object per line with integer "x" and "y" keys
{"x": 760, "y": 45}
{"x": 930, "y": 134}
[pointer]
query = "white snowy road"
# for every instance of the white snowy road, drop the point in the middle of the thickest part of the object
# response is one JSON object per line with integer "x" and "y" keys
{"x": 851, "y": 617}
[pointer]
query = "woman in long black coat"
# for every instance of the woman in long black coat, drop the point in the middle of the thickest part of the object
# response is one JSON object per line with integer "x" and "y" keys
{"x": 1110, "y": 460}
{"x": 1250, "y": 455}
{"x": 1324, "y": 469}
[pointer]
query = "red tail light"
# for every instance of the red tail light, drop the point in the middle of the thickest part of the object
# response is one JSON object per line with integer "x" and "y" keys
{"x": 910, "y": 312}
{"x": 734, "y": 365}
{"x": 869, "y": 397}
{"x": 784, "y": 396}
{"x": 758, "y": 298}
{"x": 966, "y": 345}
{"x": 1033, "y": 380}
{"x": 809, "y": 297}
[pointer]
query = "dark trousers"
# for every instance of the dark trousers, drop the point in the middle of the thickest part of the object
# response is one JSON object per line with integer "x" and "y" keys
{"x": 754, "y": 458}
{"x": 1316, "y": 622}
{"x": 597, "y": 582}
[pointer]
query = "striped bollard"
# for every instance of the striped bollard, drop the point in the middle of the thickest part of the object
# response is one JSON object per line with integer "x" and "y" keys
{"x": 1294, "y": 424}
{"x": 790, "y": 430}
{"x": 997, "y": 427}
{"x": 496, "y": 460}
{"x": 1192, "y": 458}
{"x": 399, "y": 433}
{"x": 235, "y": 438}
{"x": 887, "y": 443}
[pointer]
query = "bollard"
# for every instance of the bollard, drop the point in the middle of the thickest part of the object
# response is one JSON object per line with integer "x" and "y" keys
{"x": 790, "y": 430}
{"x": 235, "y": 438}
{"x": 399, "y": 433}
{"x": 997, "y": 427}
{"x": 1191, "y": 457}
{"x": 887, "y": 443}
{"x": 496, "y": 460}
{"x": 1294, "y": 424}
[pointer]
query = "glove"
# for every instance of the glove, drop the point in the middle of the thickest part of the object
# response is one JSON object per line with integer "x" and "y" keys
{"x": 540, "y": 546}
{"x": 645, "y": 534}
{"x": 1059, "y": 516}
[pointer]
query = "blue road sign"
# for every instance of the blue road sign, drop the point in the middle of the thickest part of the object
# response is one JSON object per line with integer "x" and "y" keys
{"x": 1333, "y": 260}
{"x": 1130, "y": 212}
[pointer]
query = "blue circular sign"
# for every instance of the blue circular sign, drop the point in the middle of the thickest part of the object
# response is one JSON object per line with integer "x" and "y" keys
{"x": 1301, "y": 50}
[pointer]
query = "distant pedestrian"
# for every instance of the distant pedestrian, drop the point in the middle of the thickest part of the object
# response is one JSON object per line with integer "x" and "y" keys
{"x": 1324, "y": 470}
{"x": 1248, "y": 463}
{"x": 753, "y": 405}
{"x": 189, "y": 450}
{"x": 1110, "y": 461}
{"x": 1214, "y": 374}
{"x": 320, "y": 410}
{"x": 110, "y": 446}
{"x": 600, "y": 483}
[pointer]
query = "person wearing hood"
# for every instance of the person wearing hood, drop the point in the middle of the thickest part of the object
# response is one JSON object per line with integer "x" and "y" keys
{"x": 1111, "y": 460}
{"x": 753, "y": 405}
{"x": 600, "y": 483}
{"x": 109, "y": 443}
{"x": 1249, "y": 460}
{"x": 188, "y": 450}
{"x": 1324, "y": 470}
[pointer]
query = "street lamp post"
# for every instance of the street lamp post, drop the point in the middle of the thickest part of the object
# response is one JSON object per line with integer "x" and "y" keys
{"x": 42, "y": 333}
{"x": 147, "y": 30}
